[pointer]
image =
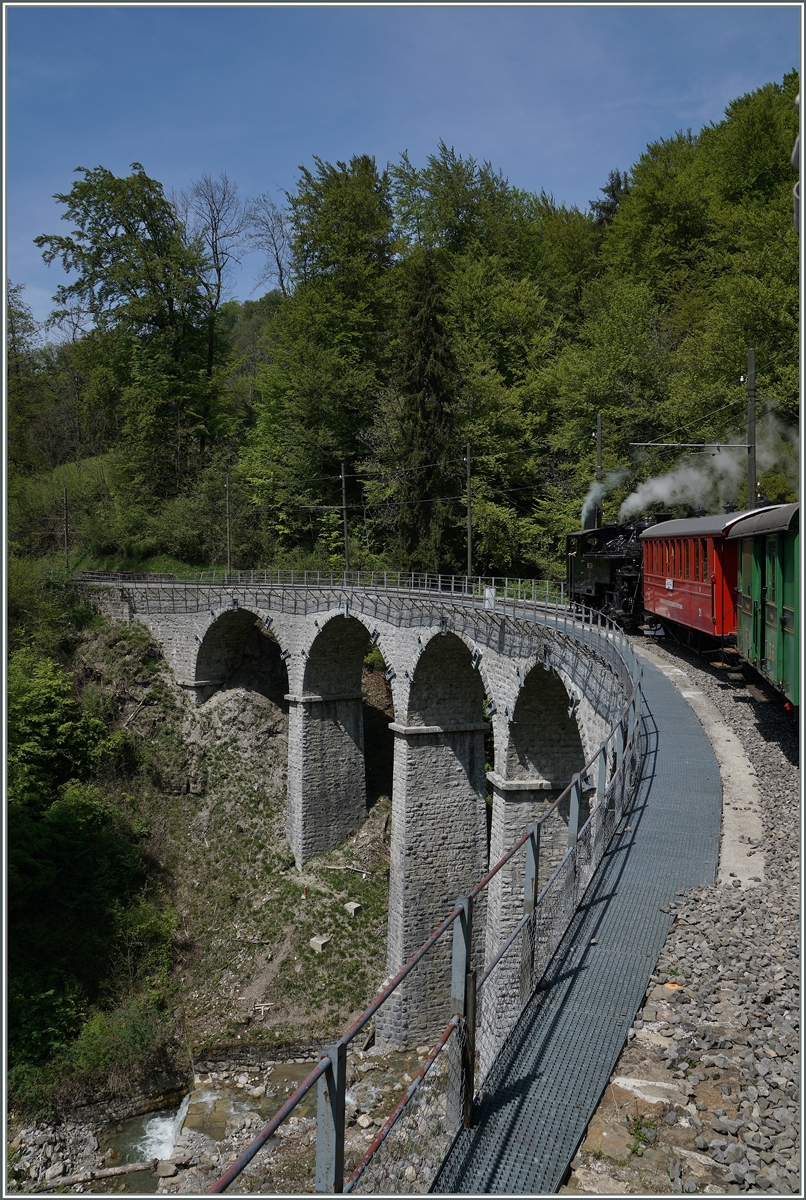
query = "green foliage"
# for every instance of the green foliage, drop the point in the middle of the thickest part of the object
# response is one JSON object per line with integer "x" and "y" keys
{"x": 643, "y": 1132}
{"x": 128, "y": 1039}
{"x": 373, "y": 660}
{"x": 32, "y": 617}
{"x": 87, "y": 928}
{"x": 641, "y": 308}
{"x": 50, "y": 740}
{"x": 70, "y": 869}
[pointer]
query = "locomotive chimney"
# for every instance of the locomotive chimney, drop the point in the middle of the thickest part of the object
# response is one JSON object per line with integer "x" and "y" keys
{"x": 730, "y": 507}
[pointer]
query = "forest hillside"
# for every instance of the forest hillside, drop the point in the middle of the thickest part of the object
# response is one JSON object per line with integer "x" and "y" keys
{"x": 411, "y": 311}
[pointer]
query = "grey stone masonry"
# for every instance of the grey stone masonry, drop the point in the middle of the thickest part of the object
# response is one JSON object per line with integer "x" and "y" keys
{"x": 548, "y": 686}
{"x": 439, "y": 829}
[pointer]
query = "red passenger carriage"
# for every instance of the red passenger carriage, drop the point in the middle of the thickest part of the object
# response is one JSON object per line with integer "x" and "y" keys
{"x": 690, "y": 573}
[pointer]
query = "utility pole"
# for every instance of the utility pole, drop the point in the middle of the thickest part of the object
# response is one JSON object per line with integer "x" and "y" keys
{"x": 599, "y": 512}
{"x": 469, "y": 520}
{"x": 229, "y": 539}
{"x": 66, "y": 553}
{"x": 751, "y": 429}
{"x": 344, "y": 516}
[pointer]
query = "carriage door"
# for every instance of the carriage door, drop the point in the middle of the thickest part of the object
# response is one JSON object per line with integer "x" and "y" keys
{"x": 744, "y": 622}
{"x": 771, "y": 601}
{"x": 759, "y": 591}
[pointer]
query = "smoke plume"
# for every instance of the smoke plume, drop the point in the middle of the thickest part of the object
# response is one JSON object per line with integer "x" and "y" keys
{"x": 597, "y": 492}
{"x": 714, "y": 478}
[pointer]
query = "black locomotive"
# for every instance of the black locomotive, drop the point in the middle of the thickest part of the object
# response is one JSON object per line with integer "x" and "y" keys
{"x": 604, "y": 568}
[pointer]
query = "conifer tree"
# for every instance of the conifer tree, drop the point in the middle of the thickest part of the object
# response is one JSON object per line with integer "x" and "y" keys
{"x": 425, "y": 385}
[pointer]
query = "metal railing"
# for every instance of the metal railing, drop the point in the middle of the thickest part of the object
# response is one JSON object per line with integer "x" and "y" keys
{"x": 484, "y": 1005}
{"x": 498, "y": 586}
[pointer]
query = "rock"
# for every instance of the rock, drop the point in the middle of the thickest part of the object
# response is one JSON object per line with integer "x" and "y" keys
{"x": 364, "y": 1121}
{"x": 166, "y": 1169}
{"x": 410, "y": 1173}
{"x": 607, "y": 1137}
{"x": 55, "y": 1171}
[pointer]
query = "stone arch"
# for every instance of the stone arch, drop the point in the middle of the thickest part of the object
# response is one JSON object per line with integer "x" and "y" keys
{"x": 544, "y": 740}
{"x": 334, "y": 659}
{"x": 445, "y": 689}
{"x": 327, "y": 792}
{"x": 238, "y": 649}
{"x": 439, "y": 828}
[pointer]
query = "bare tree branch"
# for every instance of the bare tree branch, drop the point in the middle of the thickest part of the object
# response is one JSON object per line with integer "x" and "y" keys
{"x": 214, "y": 214}
{"x": 268, "y": 232}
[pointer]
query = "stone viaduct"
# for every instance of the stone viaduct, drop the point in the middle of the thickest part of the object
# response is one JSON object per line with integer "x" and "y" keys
{"x": 549, "y": 687}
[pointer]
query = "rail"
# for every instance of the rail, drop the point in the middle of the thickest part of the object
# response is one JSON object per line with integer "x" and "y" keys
{"x": 484, "y": 1006}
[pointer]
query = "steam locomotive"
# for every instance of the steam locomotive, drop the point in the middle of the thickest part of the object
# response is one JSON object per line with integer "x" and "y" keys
{"x": 604, "y": 568}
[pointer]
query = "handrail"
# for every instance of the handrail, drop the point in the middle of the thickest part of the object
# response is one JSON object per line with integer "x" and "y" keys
{"x": 251, "y": 1150}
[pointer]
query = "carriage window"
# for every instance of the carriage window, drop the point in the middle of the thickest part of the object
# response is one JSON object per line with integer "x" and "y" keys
{"x": 696, "y": 544}
{"x": 686, "y": 572}
{"x": 679, "y": 572}
{"x": 747, "y": 565}
{"x": 665, "y": 557}
{"x": 771, "y": 572}
{"x": 704, "y": 552}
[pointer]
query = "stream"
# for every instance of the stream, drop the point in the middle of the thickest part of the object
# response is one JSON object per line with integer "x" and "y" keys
{"x": 208, "y": 1114}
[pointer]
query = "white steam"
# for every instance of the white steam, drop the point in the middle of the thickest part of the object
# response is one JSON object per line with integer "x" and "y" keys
{"x": 714, "y": 478}
{"x": 597, "y": 491}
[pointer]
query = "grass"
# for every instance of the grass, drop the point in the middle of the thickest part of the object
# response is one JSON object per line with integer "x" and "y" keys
{"x": 643, "y": 1131}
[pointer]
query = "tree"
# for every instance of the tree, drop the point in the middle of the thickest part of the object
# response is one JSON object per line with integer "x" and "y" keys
{"x": 616, "y": 188}
{"x": 330, "y": 337}
{"x": 139, "y": 273}
{"x": 269, "y": 233}
{"x": 415, "y": 439}
{"x": 454, "y": 203}
{"x": 134, "y": 262}
{"x": 217, "y": 220}
{"x": 22, "y": 339}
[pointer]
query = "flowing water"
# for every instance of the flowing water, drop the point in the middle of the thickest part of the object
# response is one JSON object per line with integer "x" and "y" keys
{"x": 214, "y": 1103}
{"x": 139, "y": 1139}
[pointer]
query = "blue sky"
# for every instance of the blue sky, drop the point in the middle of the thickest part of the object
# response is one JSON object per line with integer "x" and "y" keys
{"x": 555, "y": 97}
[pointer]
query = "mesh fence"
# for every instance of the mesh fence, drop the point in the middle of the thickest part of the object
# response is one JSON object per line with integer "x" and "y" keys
{"x": 501, "y": 1000}
{"x": 412, "y": 1151}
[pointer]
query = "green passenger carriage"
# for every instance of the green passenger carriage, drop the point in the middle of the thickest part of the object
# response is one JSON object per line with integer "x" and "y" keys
{"x": 767, "y": 593}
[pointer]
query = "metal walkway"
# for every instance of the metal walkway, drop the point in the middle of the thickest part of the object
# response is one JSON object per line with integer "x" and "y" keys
{"x": 545, "y": 1085}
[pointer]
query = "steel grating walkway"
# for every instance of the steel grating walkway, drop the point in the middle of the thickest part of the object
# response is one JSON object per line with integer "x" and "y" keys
{"x": 544, "y": 1087}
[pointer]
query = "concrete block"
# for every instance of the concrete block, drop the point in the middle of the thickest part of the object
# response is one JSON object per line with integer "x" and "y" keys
{"x": 353, "y": 907}
{"x": 319, "y": 942}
